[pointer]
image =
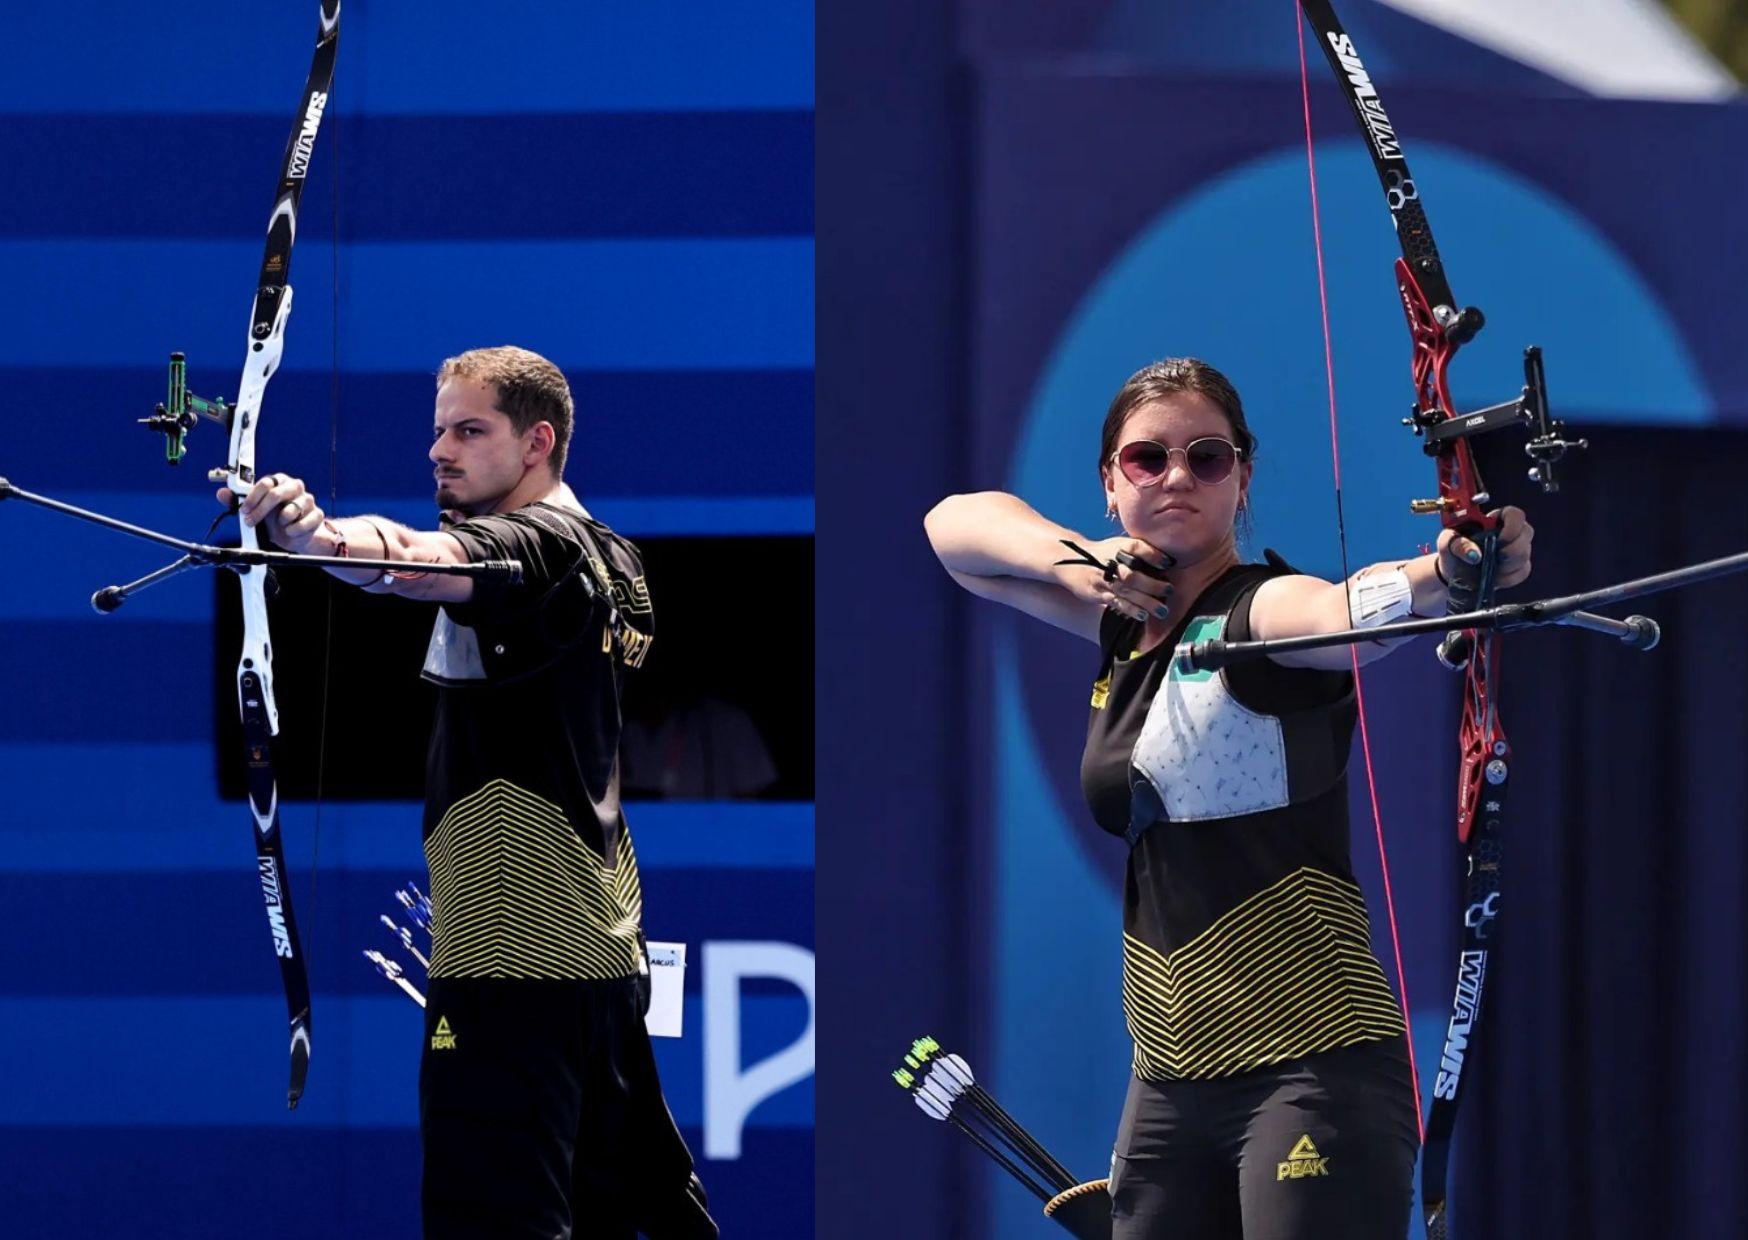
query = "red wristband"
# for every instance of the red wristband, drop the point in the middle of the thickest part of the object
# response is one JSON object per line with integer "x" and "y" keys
{"x": 340, "y": 547}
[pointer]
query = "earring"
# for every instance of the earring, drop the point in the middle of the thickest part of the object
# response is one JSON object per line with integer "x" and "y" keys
{"x": 1110, "y": 512}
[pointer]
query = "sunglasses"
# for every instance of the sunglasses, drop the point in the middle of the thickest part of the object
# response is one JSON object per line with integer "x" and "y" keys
{"x": 1210, "y": 461}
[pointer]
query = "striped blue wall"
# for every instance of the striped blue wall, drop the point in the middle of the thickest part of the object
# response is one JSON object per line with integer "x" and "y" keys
{"x": 624, "y": 187}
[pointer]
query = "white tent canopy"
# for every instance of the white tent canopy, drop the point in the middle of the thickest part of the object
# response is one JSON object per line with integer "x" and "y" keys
{"x": 1630, "y": 49}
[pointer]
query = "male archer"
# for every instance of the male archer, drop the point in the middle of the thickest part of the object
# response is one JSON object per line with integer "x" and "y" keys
{"x": 540, "y": 1110}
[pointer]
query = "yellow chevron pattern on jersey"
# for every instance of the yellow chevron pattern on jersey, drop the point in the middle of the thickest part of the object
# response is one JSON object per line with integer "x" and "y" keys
{"x": 516, "y": 893}
{"x": 1289, "y": 972}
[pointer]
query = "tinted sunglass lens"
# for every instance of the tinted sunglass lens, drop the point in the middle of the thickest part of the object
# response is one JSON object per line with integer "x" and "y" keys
{"x": 1143, "y": 462}
{"x": 1211, "y": 460}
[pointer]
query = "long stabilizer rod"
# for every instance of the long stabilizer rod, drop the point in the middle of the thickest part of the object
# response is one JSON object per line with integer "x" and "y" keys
{"x": 200, "y": 555}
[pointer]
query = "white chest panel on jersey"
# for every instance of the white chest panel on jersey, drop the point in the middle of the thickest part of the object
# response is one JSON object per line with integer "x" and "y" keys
{"x": 1206, "y": 754}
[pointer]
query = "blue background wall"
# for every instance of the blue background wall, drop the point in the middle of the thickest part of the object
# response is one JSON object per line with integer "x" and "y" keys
{"x": 626, "y": 188}
{"x": 1028, "y": 202}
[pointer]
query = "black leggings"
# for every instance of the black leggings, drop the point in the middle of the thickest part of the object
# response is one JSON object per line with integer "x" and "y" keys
{"x": 1314, "y": 1148}
{"x": 540, "y": 1112}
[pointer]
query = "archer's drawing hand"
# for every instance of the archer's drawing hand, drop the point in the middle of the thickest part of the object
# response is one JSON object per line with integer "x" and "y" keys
{"x": 1515, "y": 536}
{"x": 284, "y": 509}
{"x": 1131, "y": 592}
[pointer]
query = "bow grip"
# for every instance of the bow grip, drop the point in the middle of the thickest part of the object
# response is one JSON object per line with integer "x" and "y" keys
{"x": 1470, "y": 589}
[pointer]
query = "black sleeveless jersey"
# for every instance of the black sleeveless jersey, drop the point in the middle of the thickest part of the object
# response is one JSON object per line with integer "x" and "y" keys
{"x": 1246, "y": 940}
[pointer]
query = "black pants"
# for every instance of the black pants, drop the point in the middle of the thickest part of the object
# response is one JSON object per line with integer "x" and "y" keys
{"x": 541, "y": 1116}
{"x": 1316, "y": 1148}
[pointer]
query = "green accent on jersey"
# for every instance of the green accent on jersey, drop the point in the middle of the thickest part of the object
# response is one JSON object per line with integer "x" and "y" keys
{"x": 1199, "y": 629}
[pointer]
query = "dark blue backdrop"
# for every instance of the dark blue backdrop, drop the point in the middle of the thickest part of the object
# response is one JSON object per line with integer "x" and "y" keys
{"x": 1019, "y": 205}
{"x": 627, "y": 189}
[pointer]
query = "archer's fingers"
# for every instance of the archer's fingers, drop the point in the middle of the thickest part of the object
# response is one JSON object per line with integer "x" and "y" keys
{"x": 1514, "y": 573}
{"x": 299, "y": 518}
{"x": 250, "y": 507}
{"x": 1145, "y": 586}
{"x": 1150, "y": 595}
{"x": 1144, "y": 606}
{"x": 269, "y": 495}
{"x": 1146, "y": 563}
{"x": 1514, "y": 560}
{"x": 1129, "y": 610}
{"x": 1513, "y": 523}
{"x": 1453, "y": 546}
{"x": 1514, "y": 543}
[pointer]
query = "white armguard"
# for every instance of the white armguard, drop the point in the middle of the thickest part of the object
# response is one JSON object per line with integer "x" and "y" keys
{"x": 1379, "y": 597}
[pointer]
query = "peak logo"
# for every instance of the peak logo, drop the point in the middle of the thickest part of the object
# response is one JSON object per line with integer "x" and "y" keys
{"x": 443, "y": 1039}
{"x": 305, "y": 142}
{"x": 1372, "y": 114}
{"x": 1302, "y": 1161}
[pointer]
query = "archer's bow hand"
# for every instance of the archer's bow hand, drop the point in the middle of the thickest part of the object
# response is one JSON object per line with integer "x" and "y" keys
{"x": 1458, "y": 554}
{"x": 1121, "y": 574}
{"x": 284, "y": 509}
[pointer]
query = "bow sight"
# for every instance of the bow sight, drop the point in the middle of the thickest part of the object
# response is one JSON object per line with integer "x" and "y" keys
{"x": 183, "y": 411}
{"x": 1546, "y": 446}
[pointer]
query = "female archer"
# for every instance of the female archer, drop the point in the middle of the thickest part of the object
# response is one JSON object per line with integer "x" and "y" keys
{"x": 1271, "y": 1093}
